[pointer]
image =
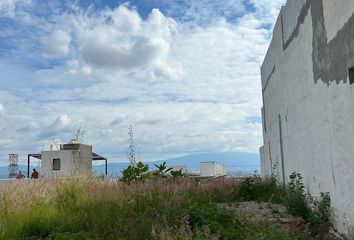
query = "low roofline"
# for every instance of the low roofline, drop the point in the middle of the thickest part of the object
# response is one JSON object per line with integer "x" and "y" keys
{"x": 95, "y": 156}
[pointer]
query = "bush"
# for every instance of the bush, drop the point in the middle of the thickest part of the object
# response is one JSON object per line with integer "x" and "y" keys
{"x": 161, "y": 170}
{"x": 299, "y": 203}
{"x": 296, "y": 204}
{"x": 257, "y": 189}
{"x": 320, "y": 209}
{"x": 296, "y": 200}
{"x": 138, "y": 172}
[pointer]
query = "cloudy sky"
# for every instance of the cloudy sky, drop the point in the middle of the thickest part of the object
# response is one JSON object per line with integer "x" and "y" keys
{"x": 184, "y": 73}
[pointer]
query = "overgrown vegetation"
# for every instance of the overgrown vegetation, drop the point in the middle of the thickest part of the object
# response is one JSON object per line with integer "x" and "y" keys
{"x": 141, "y": 173}
{"x": 94, "y": 208}
{"x": 151, "y": 204}
{"x": 257, "y": 189}
{"x": 296, "y": 199}
{"x": 138, "y": 171}
{"x": 314, "y": 210}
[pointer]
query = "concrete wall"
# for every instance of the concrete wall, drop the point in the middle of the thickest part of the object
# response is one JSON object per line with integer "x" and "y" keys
{"x": 308, "y": 103}
{"x": 220, "y": 170}
{"x": 212, "y": 169}
{"x": 75, "y": 160}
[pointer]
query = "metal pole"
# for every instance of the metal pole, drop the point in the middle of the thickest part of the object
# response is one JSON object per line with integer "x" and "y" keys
{"x": 106, "y": 167}
{"x": 28, "y": 165}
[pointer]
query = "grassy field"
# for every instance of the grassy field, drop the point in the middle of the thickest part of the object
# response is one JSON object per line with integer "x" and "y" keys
{"x": 94, "y": 208}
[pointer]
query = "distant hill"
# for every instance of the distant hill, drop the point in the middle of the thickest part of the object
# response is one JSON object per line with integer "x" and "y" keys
{"x": 236, "y": 163}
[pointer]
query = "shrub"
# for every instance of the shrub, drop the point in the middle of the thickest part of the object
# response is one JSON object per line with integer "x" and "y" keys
{"x": 296, "y": 204}
{"x": 296, "y": 183}
{"x": 320, "y": 209}
{"x": 299, "y": 203}
{"x": 296, "y": 200}
{"x": 162, "y": 170}
{"x": 257, "y": 189}
{"x": 138, "y": 172}
{"x": 177, "y": 173}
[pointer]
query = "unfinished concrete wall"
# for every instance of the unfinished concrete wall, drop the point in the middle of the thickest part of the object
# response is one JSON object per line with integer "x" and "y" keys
{"x": 65, "y": 163}
{"x": 308, "y": 103}
{"x": 75, "y": 159}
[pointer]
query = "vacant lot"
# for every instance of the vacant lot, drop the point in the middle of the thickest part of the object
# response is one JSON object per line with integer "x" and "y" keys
{"x": 94, "y": 208}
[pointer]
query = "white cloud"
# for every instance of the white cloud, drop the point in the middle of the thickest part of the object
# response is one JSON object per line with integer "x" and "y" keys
{"x": 28, "y": 127}
{"x": 114, "y": 40}
{"x": 103, "y": 51}
{"x": 8, "y": 7}
{"x": 2, "y": 109}
{"x": 206, "y": 12}
{"x": 62, "y": 122}
{"x": 61, "y": 125}
{"x": 267, "y": 11}
{"x": 121, "y": 39}
{"x": 57, "y": 44}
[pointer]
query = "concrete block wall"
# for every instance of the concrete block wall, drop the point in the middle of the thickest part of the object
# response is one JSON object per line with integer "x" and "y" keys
{"x": 308, "y": 102}
{"x": 74, "y": 160}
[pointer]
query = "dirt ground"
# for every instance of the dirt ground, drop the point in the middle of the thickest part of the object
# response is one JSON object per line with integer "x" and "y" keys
{"x": 277, "y": 214}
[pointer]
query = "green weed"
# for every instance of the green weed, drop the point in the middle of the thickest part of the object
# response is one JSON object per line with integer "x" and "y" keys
{"x": 257, "y": 189}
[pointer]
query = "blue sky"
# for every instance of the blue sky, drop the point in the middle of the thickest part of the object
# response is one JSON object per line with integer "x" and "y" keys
{"x": 184, "y": 73}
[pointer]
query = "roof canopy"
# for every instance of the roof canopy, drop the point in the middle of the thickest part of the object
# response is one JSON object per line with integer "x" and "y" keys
{"x": 95, "y": 156}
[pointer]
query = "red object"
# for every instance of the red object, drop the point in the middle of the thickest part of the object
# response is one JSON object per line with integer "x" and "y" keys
{"x": 34, "y": 175}
{"x": 20, "y": 175}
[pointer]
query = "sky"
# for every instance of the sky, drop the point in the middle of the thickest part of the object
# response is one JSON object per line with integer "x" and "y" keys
{"x": 184, "y": 73}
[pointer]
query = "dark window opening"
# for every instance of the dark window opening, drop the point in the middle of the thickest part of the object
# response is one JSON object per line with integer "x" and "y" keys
{"x": 351, "y": 75}
{"x": 56, "y": 164}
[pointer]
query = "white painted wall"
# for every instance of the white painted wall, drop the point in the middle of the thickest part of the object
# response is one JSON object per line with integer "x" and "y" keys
{"x": 317, "y": 120}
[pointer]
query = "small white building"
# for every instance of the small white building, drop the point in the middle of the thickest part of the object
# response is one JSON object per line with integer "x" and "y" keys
{"x": 70, "y": 160}
{"x": 212, "y": 169}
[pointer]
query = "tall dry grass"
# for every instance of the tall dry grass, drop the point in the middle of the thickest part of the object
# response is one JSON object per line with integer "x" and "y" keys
{"x": 95, "y": 208}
